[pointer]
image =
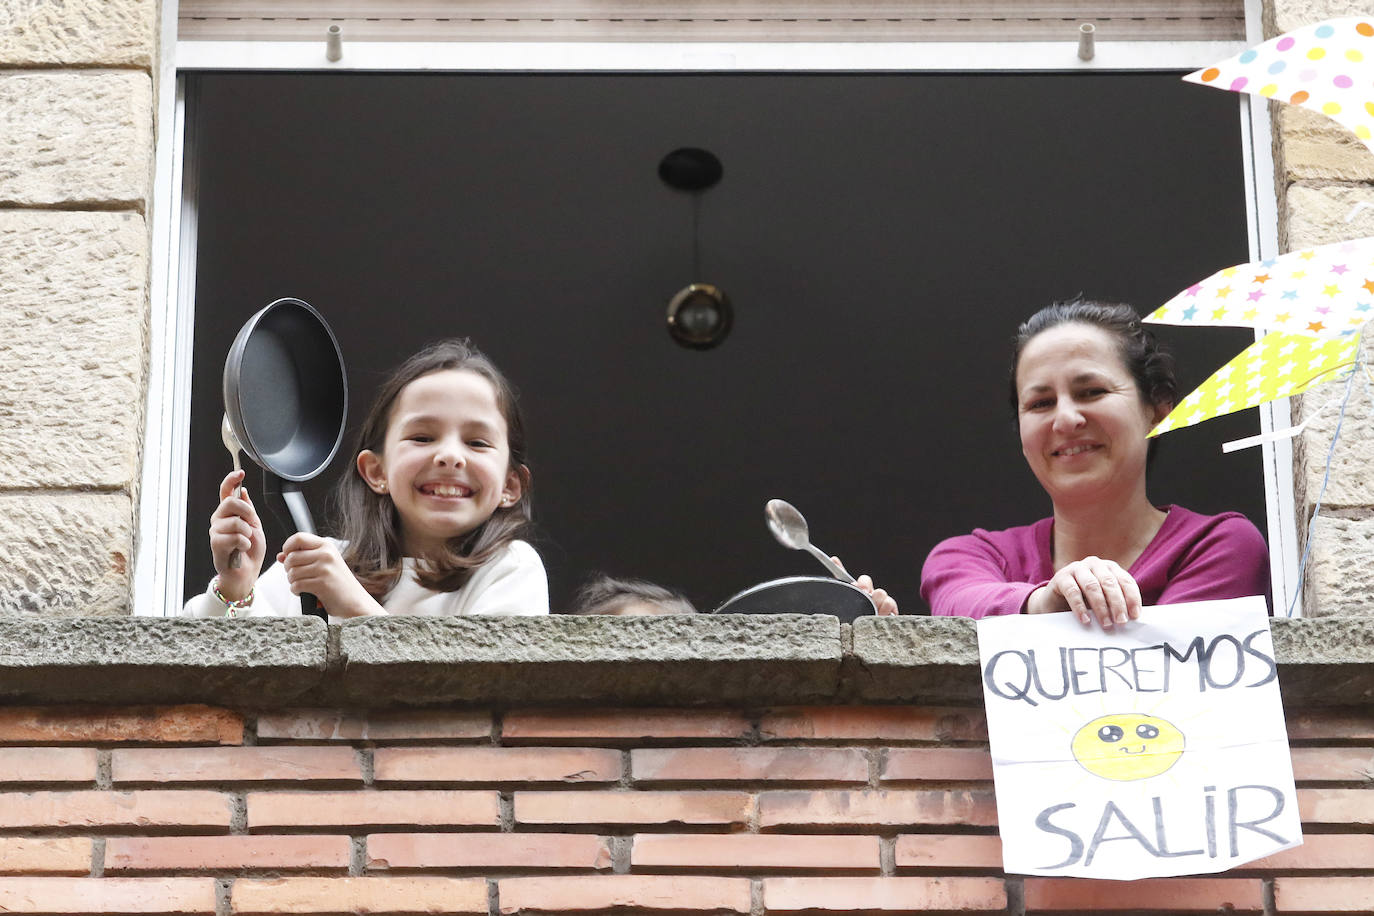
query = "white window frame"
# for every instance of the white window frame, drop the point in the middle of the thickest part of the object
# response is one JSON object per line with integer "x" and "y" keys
{"x": 159, "y": 564}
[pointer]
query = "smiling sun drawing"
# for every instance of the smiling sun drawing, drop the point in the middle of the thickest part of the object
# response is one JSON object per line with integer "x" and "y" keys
{"x": 1126, "y": 746}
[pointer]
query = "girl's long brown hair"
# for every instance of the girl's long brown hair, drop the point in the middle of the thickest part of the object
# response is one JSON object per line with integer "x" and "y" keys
{"x": 370, "y": 523}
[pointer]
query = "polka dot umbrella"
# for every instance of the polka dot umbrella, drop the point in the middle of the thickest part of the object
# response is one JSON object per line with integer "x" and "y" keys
{"x": 1313, "y": 303}
{"x": 1327, "y": 67}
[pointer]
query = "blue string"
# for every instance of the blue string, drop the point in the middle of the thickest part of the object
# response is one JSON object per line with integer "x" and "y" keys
{"x": 1326, "y": 478}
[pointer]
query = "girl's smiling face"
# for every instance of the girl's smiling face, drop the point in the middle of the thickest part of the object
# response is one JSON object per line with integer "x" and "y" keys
{"x": 446, "y": 460}
{"x": 1082, "y": 420}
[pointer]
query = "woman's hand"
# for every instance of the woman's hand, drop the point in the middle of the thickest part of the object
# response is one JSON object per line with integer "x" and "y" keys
{"x": 313, "y": 565}
{"x": 235, "y": 525}
{"x": 1090, "y": 588}
{"x": 883, "y": 603}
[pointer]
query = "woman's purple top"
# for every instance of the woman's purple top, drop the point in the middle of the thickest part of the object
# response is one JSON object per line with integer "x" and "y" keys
{"x": 1192, "y": 558}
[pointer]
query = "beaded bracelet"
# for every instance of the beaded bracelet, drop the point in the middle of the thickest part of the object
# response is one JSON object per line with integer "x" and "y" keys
{"x": 230, "y": 606}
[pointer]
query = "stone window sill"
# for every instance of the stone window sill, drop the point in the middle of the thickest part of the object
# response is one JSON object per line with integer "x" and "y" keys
{"x": 643, "y": 661}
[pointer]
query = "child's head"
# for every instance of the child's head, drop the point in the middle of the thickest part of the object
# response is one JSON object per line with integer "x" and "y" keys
{"x": 604, "y": 594}
{"x": 441, "y": 470}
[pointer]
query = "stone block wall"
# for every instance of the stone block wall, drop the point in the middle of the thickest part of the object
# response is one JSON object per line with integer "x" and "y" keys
{"x": 1324, "y": 175}
{"x": 76, "y": 163}
{"x": 781, "y": 810}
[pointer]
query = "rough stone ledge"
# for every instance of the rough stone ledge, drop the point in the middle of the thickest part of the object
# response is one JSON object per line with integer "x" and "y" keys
{"x": 660, "y": 661}
{"x": 566, "y": 659}
{"x": 1325, "y": 661}
{"x": 911, "y": 659}
{"x": 155, "y": 660}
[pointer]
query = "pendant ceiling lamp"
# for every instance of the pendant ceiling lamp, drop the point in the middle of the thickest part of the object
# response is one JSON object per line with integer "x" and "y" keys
{"x": 699, "y": 315}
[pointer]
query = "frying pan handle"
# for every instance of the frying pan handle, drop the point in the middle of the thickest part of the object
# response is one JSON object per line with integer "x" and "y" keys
{"x": 290, "y": 493}
{"x": 295, "y": 504}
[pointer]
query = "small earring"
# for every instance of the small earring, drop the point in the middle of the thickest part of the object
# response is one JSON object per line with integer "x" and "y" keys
{"x": 381, "y": 488}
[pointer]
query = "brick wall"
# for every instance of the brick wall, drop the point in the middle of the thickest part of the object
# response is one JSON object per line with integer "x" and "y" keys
{"x": 196, "y": 809}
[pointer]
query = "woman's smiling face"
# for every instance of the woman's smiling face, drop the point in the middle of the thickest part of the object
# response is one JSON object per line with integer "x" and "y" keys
{"x": 1082, "y": 420}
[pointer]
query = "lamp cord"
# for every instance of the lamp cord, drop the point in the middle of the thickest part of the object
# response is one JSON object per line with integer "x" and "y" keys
{"x": 696, "y": 238}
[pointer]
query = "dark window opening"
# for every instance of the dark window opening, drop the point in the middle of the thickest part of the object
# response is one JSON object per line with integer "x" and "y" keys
{"x": 879, "y": 236}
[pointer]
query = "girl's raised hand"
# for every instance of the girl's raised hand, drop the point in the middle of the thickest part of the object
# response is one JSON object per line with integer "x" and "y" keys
{"x": 313, "y": 565}
{"x": 1093, "y": 589}
{"x": 235, "y": 525}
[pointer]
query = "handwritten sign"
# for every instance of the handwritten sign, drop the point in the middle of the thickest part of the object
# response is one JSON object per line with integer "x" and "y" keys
{"x": 1155, "y": 749}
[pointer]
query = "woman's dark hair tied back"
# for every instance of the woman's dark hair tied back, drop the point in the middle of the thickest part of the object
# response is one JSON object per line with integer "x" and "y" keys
{"x": 1150, "y": 365}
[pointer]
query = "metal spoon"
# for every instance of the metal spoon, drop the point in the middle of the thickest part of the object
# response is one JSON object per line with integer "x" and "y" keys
{"x": 231, "y": 442}
{"x": 789, "y": 527}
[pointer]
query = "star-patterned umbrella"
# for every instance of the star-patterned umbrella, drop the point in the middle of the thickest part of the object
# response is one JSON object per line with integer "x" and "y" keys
{"x": 1275, "y": 366}
{"x": 1327, "y": 67}
{"x": 1314, "y": 301}
{"x": 1326, "y": 291}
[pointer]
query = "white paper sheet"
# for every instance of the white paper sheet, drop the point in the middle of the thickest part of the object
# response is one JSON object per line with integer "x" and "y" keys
{"x": 1154, "y": 749}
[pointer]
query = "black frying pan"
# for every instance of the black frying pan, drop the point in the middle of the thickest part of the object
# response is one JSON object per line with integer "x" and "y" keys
{"x": 286, "y": 397}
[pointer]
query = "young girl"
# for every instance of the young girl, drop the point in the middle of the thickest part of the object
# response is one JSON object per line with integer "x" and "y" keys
{"x": 433, "y": 514}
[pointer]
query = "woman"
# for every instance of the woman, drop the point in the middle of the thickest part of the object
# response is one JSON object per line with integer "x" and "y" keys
{"x": 1088, "y": 383}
